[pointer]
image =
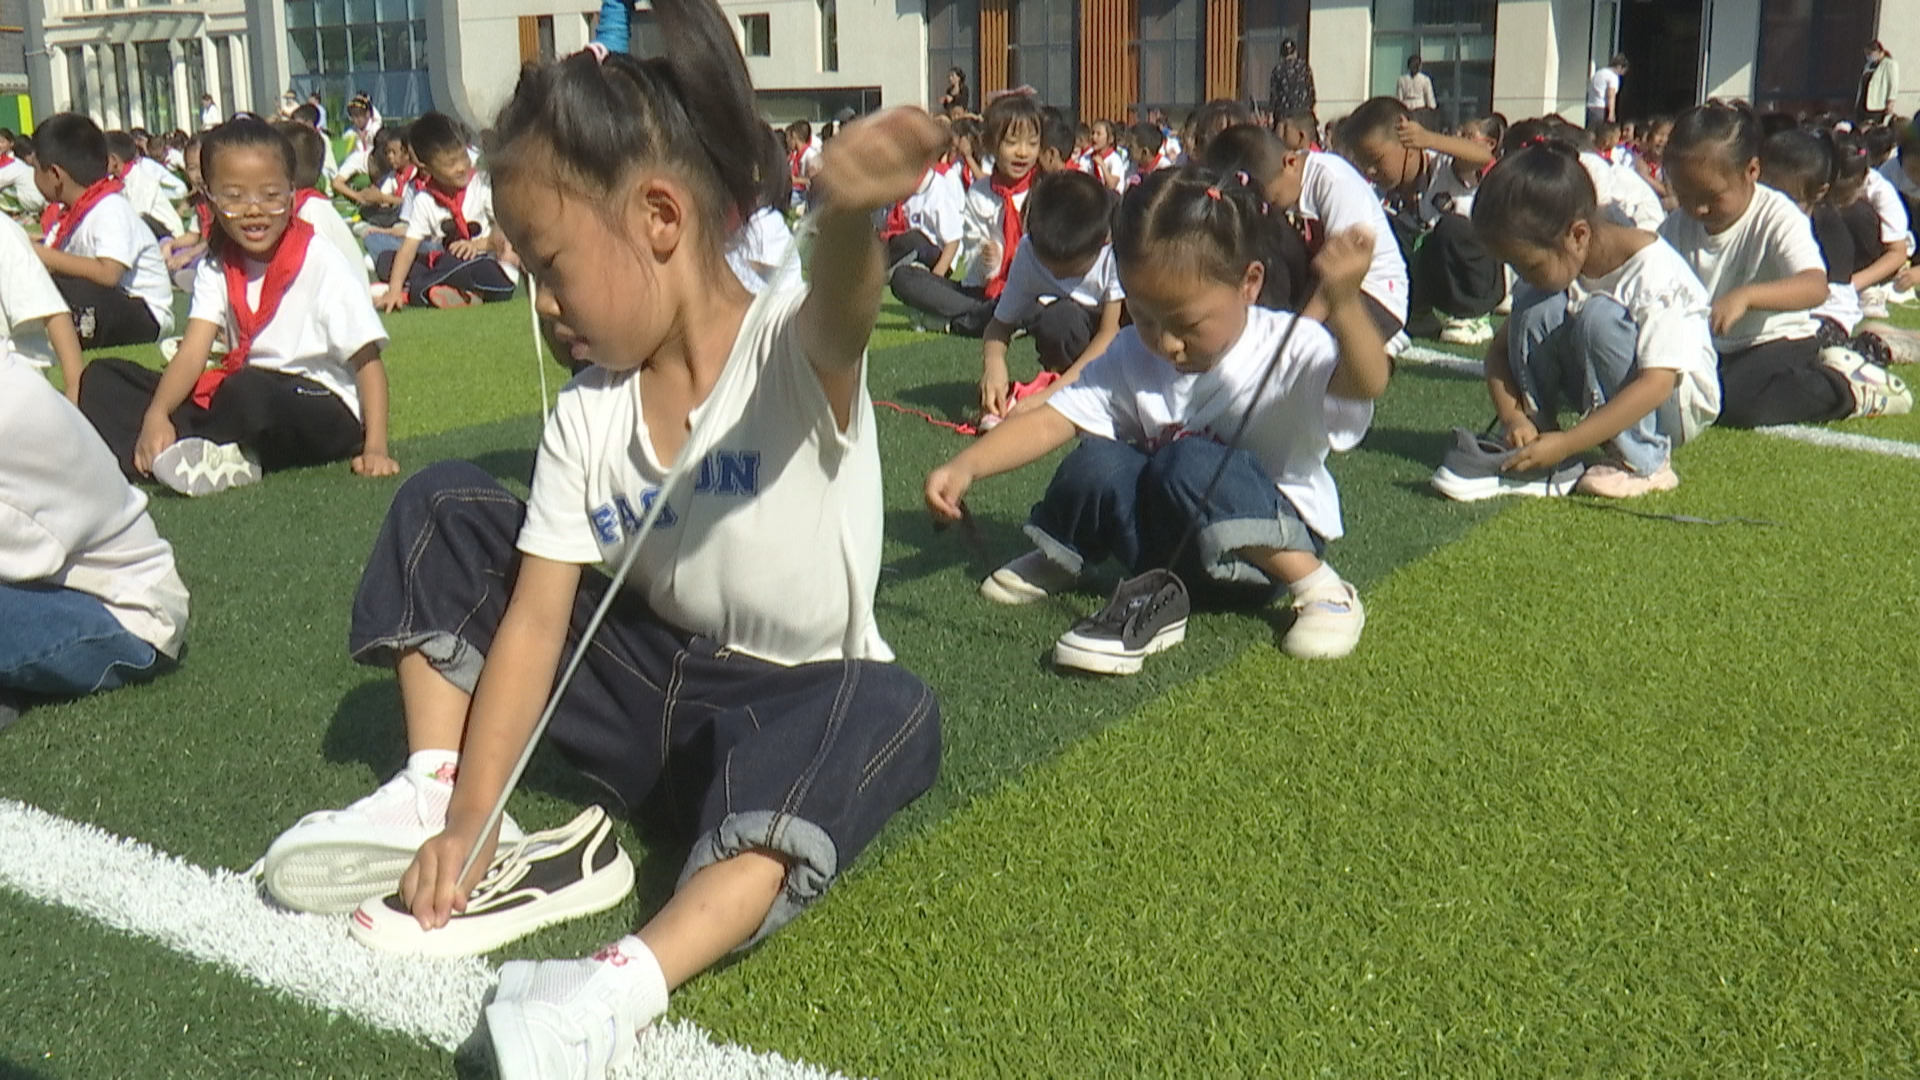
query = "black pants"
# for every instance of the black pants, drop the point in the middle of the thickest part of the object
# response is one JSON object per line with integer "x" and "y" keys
{"x": 733, "y": 752}
{"x": 1062, "y": 331}
{"x": 1780, "y": 382}
{"x": 914, "y": 247}
{"x": 105, "y": 316}
{"x": 1452, "y": 272}
{"x": 286, "y": 420}
{"x": 1863, "y": 229}
{"x": 965, "y": 308}
{"x": 482, "y": 276}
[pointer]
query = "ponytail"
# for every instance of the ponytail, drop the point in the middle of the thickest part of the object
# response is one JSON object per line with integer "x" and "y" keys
{"x": 1210, "y": 225}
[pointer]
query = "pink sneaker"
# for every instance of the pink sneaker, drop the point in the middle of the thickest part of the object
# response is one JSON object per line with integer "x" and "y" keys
{"x": 446, "y": 296}
{"x": 1610, "y": 481}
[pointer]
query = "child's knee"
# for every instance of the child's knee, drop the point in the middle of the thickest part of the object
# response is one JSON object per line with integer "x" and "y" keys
{"x": 1604, "y": 330}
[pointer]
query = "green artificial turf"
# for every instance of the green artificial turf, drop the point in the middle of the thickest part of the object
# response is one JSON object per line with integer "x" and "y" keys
{"x": 1601, "y": 794}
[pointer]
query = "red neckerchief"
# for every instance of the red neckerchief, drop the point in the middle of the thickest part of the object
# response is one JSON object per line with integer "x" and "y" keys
{"x": 5, "y": 160}
{"x": 451, "y": 201}
{"x": 126, "y": 169}
{"x": 302, "y": 197}
{"x": 1010, "y": 229}
{"x": 203, "y": 214}
{"x": 793, "y": 166}
{"x": 288, "y": 256}
{"x": 897, "y": 223}
{"x": 65, "y": 222}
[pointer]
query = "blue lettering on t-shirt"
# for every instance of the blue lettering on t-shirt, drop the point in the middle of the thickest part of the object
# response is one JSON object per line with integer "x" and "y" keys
{"x": 724, "y": 472}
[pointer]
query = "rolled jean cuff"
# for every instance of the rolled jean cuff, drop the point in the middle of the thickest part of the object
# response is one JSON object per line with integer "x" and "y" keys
{"x": 1220, "y": 540}
{"x": 815, "y": 859}
{"x": 452, "y": 656}
{"x": 1056, "y": 552}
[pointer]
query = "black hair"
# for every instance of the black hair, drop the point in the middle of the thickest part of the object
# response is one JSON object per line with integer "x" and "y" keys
{"x": 1302, "y": 118}
{"x": 1851, "y": 163}
{"x": 309, "y": 151}
{"x": 23, "y": 147}
{"x": 250, "y": 132}
{"x": 1211, "y": 119}
{"x": 1550, "y": 127}
{"x": 1880, "y": 140}
{"x": 1247, "y": 148}
{"x": 1603, "y": 132}
{"x": 1190, "y": 219}
{"x": 1909, "y": 142}
{"x": 1798, "y": 163}
{"x": 308, "y": 115}
{"x": 801, "y": 129}
{"x": 120, "y": 144}
{"x": 1731, "y": 131}
{"x": 776, "y": 176}
{"x": 1535, "y": 194}
{"x": 435, "y": 134}
{"x": 74, "y": 143}
{"x": 1149, "y": 138}
{"x": 1012, "y": 114}
{"x": 1066, "y": 217}
{"x": 7, "y": 134}
{"x": 1376, "y": 118}
{"x": 1056, "y": 132}
{"x": 378, "y": 169}
{"x": 1773, "y": 123}
{"x": 1655, "y": 121}
{"x": 1619, "y": 61}
{"x": 589, "y": 122}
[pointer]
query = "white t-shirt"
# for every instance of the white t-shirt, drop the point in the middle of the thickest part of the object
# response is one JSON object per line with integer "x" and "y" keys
{"x": 1772, "y": 240}
{"x": 982, "y": 224}
{"x": 1030, "y": 284}
{"x": 404, "y": 191}
{"x": 149, "y": 194}
{"x": 16, "y": 179}
{"x": 1672, "y": 310}
{"x": 210, "y": 116}
{"x": 328, "y": 225}
{"x": 1415, "y": 91}
{"x": 1334, "y": 197}
{"x": 938, "y": 207}
{"x": 1624, "y": 195}
{"x": 763, "y": 255}
{"x": 354, "y": 164}
{"x": 1442, "y": 180}
{"x": 1883, "y": 192}
{"x": 427, "y": 219}
{"x": 1603, "y": 80}
{"x": 1112, "y": 169}
{"x": 68, "y": 518}
{"x": 771, "y": 544}
{"x": 1130, "y": 395}
{"x": 27, "y": 297}
{"x": 326, "y": 317}
{"x": 111, "y": 230}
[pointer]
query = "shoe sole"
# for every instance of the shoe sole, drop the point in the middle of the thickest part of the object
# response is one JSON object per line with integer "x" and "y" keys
{"x": 1068, "y": 655}
{"x": 993, "y": 589}
{"x": 178, "y": 467}
{"x": 511, "y": 1039}
{"x": 335, "y": 878}
{"x": 1317, "y": 649}
{"x": 604, "y": 889}
{"x": 446, "y": 297}
{"x": 1461, "y": 489}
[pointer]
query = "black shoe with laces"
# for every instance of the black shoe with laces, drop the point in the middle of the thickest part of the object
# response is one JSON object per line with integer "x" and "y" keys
{"x": 1148, "y": 614}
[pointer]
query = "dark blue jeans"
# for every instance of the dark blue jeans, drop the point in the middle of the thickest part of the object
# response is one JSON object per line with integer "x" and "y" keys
{"x": 1112, "y": 500}
{"x": 734, "y": 752}
{"x": 59, "y": 642}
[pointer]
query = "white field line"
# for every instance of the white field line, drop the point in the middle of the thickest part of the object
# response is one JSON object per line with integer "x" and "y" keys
{"x": 218, "y": 917}
{"x": 1814, "y": 436}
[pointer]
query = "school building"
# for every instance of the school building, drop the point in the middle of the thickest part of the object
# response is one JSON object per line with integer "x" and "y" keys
{"x": 145, "y": 62}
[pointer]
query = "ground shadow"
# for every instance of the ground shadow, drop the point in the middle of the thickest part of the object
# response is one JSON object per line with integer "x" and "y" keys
{"x": 955, "y": 401}
{"x": 13, "y": 1070}
{"x": 510, "y": 463}
{"x": 1423, "y": 448}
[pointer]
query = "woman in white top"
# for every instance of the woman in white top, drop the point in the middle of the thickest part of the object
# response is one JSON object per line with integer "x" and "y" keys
{"x": 1415, "y": 88}
{"x": 1879, "y": 84}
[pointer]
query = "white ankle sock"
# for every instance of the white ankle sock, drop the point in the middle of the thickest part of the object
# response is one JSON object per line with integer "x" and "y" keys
{"x": 1323, "y": 584}
{"x": 640, "y": 970}
{"x": 435, "y": 764}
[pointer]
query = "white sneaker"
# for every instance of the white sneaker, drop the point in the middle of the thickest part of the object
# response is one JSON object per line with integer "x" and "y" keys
{"x": 1326, "y": 629}
{"x": 1876, "y": 391}
{"x": 572, "y": 1018}
{"x": 546, "y": 878}
{"x": 332, "y": 861}
{"x": 1473, "y": 331}
{"x": 1026, "y": 579}
{"x": 1874, "y": 300}
{"x": 196, "y": 467}
{"x": 1897, "y": 295}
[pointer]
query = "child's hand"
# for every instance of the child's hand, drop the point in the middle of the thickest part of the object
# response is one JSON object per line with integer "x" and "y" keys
{"x": 946, "y": 486}
{"x": 465, "y": 249}
{"x": 428, "y": 887}
{"x": 879, "y": 160}
{"x": 375, "y": 463}
{"x": 1729, "y": 309}
{"x": 996, "y": 388}
{"x": 1343, "y": 264}
{"x": 1544, "y": 451}
{"x": 1521, "y": 432}
{"x": 1412, "y": 135}
{"x": 156, "y": 434}
{"x": 1907, "y": 278}
{"x": 391, "y": 301}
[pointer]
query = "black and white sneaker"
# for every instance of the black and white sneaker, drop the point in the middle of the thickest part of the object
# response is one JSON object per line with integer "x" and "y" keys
{"x": 1148, "y": 614}
{"x": 1471, "y": 472}
{"x": 550, "y": 877}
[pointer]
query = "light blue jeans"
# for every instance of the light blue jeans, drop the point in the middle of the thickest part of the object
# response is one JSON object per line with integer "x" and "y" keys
{"x": 1579, "y": 363}
{"x": 59, "y": 642}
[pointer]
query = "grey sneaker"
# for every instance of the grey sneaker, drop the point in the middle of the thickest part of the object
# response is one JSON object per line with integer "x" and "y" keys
{"x": 197, "y": 467}
{"x": 1471, "y": 472}
{"x": 1148, "y": 614}
{"x": 1029, "y": 578}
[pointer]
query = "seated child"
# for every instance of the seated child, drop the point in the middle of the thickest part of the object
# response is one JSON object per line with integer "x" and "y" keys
{"x": 184, "y": 251}
{"x": 301, "y": 383}
{"x": 1298, "y": 130}
{"x": 19, "y": 195}
{"x": 1148, "y": 155}
{"x": 383, "y": 218}
{"x": 453, "y": 210}
{"x": 1610, "y": 323}
{"x": 763, "y": 255}
{"x": 103, "y": 258}
{"x": 1063, "y": 289}
{"x": 150, "y": 186}
{"x": 1154, "y": 413}
{"x": 379, "y": 192}
{"x": 1647, "y": 155}
{"x": 1427, "y": 179}
{"x": 1893, "y": 189}
{"x": 992, "y": 223}
{"x": 926, "y": 228}
{"x": 37, "y": 328}
{"x": 310, "y": 204}
{"x": 1755, "y": 252}
{"x": 1109, "y": 158}
{"x": 747, "y": 703}
{"x": 1056, "y": 142}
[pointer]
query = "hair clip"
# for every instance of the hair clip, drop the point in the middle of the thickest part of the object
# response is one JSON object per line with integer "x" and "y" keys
{"x": 598, "y": 50}
{"x": 1245, "y": 180}
{"x": 1213, "y": 192}
{"x": 1532, "y": 141}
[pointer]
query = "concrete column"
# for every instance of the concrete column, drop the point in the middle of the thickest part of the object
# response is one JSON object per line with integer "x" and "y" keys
{"x": 57, "y": 98}
{"x": 266, "y": 51}
{"x": 96, "y": 85}
{"x": 1541, "y": 57}
{"x": 136, "y": 86}
{"x": 210, "y": 75}
{"x": 1900, "y": 33}
{"x": 110, "y": 75}
{"x": 1733, "y": 45}
{"x": 186, "y": 110}
{"x": 241, "y": 56}
{"x": 1340, "y": 48}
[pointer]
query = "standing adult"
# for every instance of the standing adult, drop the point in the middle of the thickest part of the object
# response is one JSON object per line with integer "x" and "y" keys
{"x": 1290, "y": 86}
{"x": 1603, "y": 93}
{"x": 957, "y": 95}
{"x": 1415, "y": 88}
{"x": 1879, "y": 84}
{"x": 209, "y": 113}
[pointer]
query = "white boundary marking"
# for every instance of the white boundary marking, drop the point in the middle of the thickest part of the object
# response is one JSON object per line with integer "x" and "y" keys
{"x": 218, "y": 917}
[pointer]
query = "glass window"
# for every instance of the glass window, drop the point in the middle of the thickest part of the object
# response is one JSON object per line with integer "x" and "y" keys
{"x": 333, "y": 50}
{"x": 953, "y": 41}
{"x": 303, "y": 52}
{"x": 1044, "y": 50}
{"x": 299, "y": 14}
{"x": 364, "y": 48}
{"x": 829, "y": 35}
{"x": 1264, "y": 24}
{"x": 396, "y": 47}
{"x": 1811, "y": 56}
{"x": 361, "y": 12}
{"x": 77, "y": 100}
{"x": 193, "y": 54}
{"x": 156, "y": 84}
{"x": 757, "y": 30}
{"x": 331, "y": 12}
{"x": 393, "y": 11}
{"x": 1169, "y": 48}
{"x": 223, "y": 59}
{"x": 1454, "y": 40}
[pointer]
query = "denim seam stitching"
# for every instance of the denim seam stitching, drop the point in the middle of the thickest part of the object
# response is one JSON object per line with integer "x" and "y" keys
{"x": 849, "y": 682}
{"x": 885, "y": 757}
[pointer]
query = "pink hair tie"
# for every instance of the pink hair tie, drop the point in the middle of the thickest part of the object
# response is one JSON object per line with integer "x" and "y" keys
{"x": 1213, "y": 193}
{"x": 598, "y": 50}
